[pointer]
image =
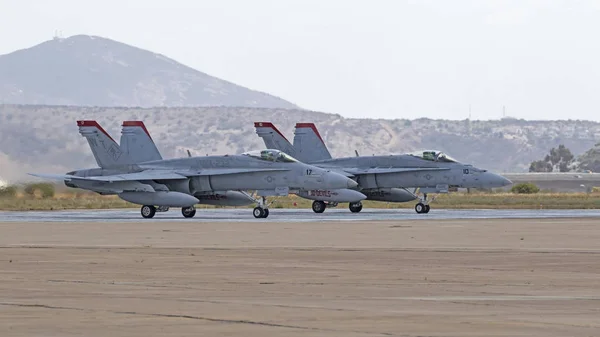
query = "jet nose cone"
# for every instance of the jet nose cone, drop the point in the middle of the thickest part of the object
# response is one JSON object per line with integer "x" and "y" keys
{"x": 506, "y": 181}
{"x": 496, "y": 180}
{"x": 352, "y": 184}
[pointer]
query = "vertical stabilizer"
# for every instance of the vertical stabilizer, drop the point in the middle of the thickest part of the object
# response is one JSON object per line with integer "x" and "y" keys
{"x": 273, "y": 138}
{"x": 309, "y": 144}
{"x": 137, "y": 143}
{"x": 107, "y": 152}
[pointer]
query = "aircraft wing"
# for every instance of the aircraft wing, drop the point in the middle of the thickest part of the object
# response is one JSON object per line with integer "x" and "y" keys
{"x": 383, "y": 170}
{"x": 154, "y": 174}
{"x": 221, "y": 171}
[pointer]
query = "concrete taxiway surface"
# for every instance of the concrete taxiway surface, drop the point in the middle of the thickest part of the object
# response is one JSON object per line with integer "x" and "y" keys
{"x": 462, "y": 277}
{"x": 286, "y": 215}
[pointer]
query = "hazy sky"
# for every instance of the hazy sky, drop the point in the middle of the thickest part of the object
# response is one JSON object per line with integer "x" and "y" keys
{"x": 386, "y": 59}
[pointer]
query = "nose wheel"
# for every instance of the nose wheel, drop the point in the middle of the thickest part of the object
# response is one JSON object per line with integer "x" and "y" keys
{"x": 422, "y": 208}
{"x": 261, "y": 211}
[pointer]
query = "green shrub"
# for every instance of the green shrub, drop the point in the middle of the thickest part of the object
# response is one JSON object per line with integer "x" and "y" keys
{"x": 8, "y": 191}
{"x": 45, "y": 190}
{"x": 525, "y": 188}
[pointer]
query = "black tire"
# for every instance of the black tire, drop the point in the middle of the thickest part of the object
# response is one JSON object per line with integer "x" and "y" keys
{"x": 148, "y": 211}
{"x": 265, "y": 212}
{"x": 188, "y": 212}
{"x": 258, "y": 212}
{"x": 420, "y": 208}
{"x": 318, "y": 206}
{"x": 355, "y": 207}
{"x": 427, "y": 208}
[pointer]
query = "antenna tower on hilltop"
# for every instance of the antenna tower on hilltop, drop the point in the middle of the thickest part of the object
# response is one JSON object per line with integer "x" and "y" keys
{"x": 57, "y": 35}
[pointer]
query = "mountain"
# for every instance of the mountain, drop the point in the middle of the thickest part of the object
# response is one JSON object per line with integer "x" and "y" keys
{"x": 94, "y": 71}
{"x": 45, "y": 138}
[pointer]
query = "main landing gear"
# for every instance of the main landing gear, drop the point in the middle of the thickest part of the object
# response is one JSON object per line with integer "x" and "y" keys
{"x": 188, "y": 212}
{"x": 148, "y": 211}
{"x": 355, "y": 207}
{"x": 319, "y": 206}
{"x": 262, "y": 210}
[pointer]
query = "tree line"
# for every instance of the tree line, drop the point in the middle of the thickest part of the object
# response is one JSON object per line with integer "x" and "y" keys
{"x": 561, "y": 159}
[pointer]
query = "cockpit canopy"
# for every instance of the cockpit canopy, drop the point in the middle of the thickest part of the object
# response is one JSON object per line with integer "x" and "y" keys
{"x": 271, "y": 155}
{"x": 432, "y": 155}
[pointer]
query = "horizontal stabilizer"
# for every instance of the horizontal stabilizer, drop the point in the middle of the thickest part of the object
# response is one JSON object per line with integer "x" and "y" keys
{"x": 53, "y": 176}
{"x": 145, "y": 175}
{"x": 101, "y": 186}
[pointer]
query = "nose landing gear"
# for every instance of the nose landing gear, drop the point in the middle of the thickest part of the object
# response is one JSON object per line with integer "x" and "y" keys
{"x": 262, "y": 210}
{"x": 423, "y": 206}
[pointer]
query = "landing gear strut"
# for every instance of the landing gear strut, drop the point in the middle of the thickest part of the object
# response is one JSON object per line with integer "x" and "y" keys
{"x": 423, "y": 206}
{"x": 148, "y": 211}
{"x": 188, "y": 212}
{"x": 355, "y": 207}
{"x": 261, "y": 211}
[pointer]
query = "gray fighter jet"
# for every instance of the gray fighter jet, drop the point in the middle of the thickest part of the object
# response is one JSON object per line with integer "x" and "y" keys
{"x": 383, "y": 178}
{"x": 177, "y": 182}
{"x": 137, "y": 142}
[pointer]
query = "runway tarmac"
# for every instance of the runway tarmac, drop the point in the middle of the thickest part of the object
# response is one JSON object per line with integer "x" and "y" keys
{"x": 262, "y": 278}
{"x": 288, "y": 215}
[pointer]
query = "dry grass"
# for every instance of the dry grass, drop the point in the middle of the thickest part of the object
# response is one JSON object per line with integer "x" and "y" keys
{"x": 84, "y": 200}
